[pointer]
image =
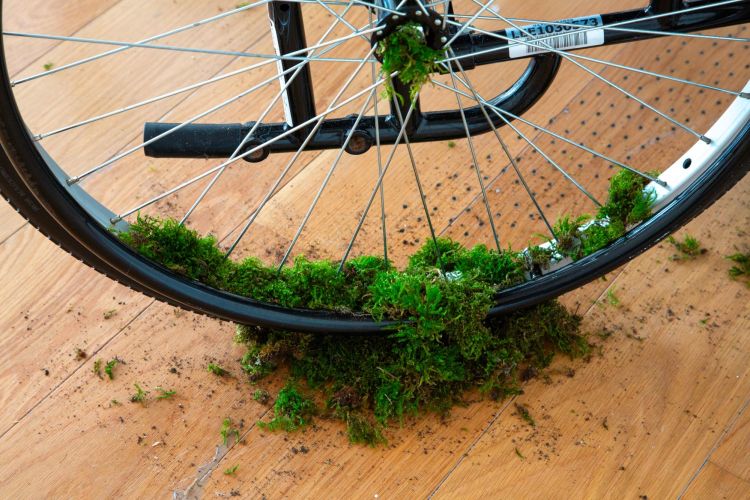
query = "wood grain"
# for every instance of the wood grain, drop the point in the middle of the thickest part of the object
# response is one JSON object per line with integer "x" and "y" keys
{"x": 715, "y": 482}
{"x": 656, "y": 411}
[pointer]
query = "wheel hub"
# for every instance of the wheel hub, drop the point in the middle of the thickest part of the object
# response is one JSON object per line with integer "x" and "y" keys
{"x": 435, "y": 32}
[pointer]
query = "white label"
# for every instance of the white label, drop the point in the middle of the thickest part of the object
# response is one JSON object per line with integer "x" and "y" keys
{"x": 559, "y": 35}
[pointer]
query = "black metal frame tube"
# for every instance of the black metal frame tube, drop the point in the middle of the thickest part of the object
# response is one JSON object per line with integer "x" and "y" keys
{"x": 289, "y": 37}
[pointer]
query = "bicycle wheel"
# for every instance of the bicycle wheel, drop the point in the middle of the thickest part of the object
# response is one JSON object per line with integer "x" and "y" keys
{"x": 144, "y": 108}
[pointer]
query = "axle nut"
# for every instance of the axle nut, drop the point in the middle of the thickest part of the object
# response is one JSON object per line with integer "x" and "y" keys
{"x": 359, "y": 143}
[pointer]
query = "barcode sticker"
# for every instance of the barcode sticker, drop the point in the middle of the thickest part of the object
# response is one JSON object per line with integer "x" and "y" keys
{"x": 559, "y": 35}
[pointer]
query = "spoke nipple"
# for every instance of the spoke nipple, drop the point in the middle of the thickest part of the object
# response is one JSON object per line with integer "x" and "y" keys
{"x": 72, "y": 180}
{"x": 746, "y": 95}
{"x": 705, "y": 139}
{"x": 115, "y": 220}
{"x": 37, "y": 137}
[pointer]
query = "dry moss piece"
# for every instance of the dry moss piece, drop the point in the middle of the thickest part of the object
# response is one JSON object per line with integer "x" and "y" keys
{"x": 445, "y": 344}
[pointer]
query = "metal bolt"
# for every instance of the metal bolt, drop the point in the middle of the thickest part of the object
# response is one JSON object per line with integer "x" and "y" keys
{"x": 419, "y": 13}
{"x": 379, "y": 32}
{"x": 394, "y": 17}
{"x": 438, "y": 22}
{"x": 443, "y": 39}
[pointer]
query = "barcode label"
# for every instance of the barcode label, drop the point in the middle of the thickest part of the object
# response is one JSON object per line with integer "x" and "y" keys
{"x": 560, "y": 35}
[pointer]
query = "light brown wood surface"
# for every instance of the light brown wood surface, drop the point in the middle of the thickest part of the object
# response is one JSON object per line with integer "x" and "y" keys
{"x": 661, "y": 409}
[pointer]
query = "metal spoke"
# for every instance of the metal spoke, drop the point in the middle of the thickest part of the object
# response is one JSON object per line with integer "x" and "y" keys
{"x": 608, "y": 26}
{"x": 497, "y": 110}
{"x": 258, "y": 122}
{"x": 244, "y": 154}
{"x": 331, "y": 107}
{"x": 635, "y": 70}
{"x": 373, "y": 73}
{"x": 511, "y": 158}
{"x": 326, "y": 180}
{"x": 727, "y": 38}
{"x": 355, "y": 2}
{"x": 174, "y": 48}
{"x": 476, "y": 164}
{"x": 76, "y": 179}
{"x": 379, "y": 182}
{"x": 468, "y": 23}
{"x": 632, "y": 30}
{"x": 330, "y": 46}
{"x": 422, "y": 196}
{"x": 145, "y": 40}
{"x": 531, "y": 143}
{"x": 564, "y": 54}
{"x": 661, "y": 75}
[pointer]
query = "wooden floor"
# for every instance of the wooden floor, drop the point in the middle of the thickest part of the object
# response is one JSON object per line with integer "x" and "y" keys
{"x": 659, "y": 411}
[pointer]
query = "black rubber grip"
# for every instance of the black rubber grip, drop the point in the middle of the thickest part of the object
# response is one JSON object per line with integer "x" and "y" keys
{"x": 192, "y": 141}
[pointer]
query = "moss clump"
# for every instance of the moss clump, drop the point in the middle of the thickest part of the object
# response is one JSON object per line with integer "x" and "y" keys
{"x": 689, "y": 248}
{"x": 443, "y": 343}
{"x": 741, "y": 269}
{"x": 426, "y": 364}
{"x": 405, "y": 51}
{"x": 217, "y": 370}
{"x": 178, "y": 249}
{"x": 628, "y": 203}
{"x": 291, "y": 411}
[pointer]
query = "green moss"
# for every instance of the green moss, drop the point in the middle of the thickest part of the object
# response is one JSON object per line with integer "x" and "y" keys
{"x": 140, "y": 395}
{"x": 217, "y": 370}
{"x": 291, "y": 411}
{"x": 628, "y": 201}
{"x": 568, "y": 232}
{"x": 405, "y": 51}
{"x": 109, "y": 368}
{"x": 599, "y": 234}
{"x": 741, "y": 269}
{"x": 165, "y": 393}
{"x": 262, "y": 396}
{"x": 539, "y": 258}
{"x": 689, "y": 248}
{"x": 361, "y": 430}
{"x": 227, "y": 430}
{"x": 443, "y": 343}
{"x": 179, "y": 249}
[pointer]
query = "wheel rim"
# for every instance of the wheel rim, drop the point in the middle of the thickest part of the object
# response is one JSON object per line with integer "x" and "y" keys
{"x": 726, "y": 129}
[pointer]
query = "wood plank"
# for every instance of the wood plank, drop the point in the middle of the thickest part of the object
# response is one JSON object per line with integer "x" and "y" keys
{"x": 72, "y": 410}
{"x": 716, "y": 482}
{"x": 732, "y": 453}
{"x": 60, "y": 307}
{"x": 40, "y": 16}
{"x": 105, "y": 448}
